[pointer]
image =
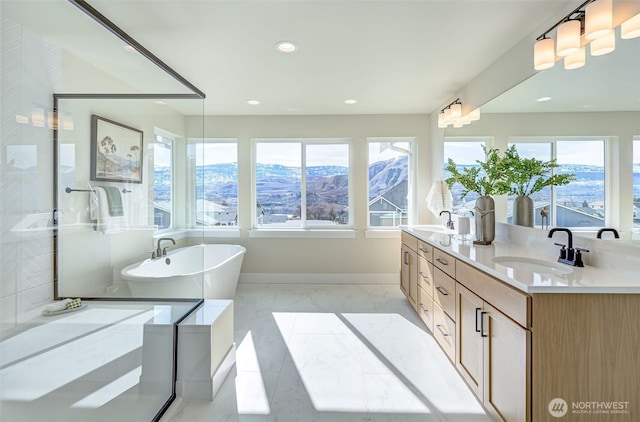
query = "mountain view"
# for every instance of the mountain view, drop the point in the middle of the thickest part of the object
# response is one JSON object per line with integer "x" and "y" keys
{"x": 278, "y": 186}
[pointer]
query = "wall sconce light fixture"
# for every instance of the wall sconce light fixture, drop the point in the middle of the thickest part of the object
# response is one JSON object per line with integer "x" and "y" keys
{"x": 591, "y": 22}
{"x": 452, "y": 115}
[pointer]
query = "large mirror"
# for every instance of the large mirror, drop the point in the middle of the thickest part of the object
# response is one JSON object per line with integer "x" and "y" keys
{"x": 587, "y": 118}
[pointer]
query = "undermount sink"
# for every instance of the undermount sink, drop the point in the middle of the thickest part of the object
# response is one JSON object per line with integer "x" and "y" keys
{"x": 434, "y": 228}
{"x": 533, "y": 265}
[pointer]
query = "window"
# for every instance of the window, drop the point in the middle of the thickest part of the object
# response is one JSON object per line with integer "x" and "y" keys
{"x": 581, "y": 203}
{"x": 464, "y": 154}
{"x": 162, "y": 182}
{"x": 390, "y": 187}
{"x": 302, "y": 183}
{"x": 636, "y": 184}
{"x": 542, "y": 199}
{"x": 216, "y": 182}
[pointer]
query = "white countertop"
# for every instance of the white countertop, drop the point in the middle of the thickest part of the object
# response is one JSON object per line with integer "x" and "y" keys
{"x": 582, "y": 280}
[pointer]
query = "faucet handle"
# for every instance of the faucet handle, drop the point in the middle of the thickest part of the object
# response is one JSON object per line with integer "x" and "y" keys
{"x": 153, "y": 254}
{"x": 578, "y": 259}
{"x": 563, "y": 250}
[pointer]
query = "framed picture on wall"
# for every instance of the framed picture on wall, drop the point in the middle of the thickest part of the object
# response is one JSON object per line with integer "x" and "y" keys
{"x": 116, "y": 151}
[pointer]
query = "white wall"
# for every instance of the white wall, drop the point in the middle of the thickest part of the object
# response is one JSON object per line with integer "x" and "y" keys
{"x": 26, "y": 264}
{"x": 360, "y": 257}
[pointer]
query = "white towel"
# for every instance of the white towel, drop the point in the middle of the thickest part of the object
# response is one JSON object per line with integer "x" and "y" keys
{"x": 439, "y": 198}
{"x": 105, "y": 223}
{"x": 57, "y": 306}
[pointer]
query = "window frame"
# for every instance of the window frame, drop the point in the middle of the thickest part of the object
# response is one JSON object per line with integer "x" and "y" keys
{"x": 553, "y": 141}
{"x": 635, "y": 143}
{"x": 165, "y": 138}
{"x": 304, "y": 227}
{"x": 193, "y": 200}
{"x": 411, "y": 181}
{"x": 487, "y": 140}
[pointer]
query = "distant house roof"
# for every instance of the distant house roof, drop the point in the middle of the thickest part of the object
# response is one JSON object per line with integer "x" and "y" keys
{"x": 208, "y": 206}
{"x": 566, "y": 216}
{"x": 396, "y": 196}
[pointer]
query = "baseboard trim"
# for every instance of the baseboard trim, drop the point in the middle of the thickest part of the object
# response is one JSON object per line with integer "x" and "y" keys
{"x": 314, "y": 278}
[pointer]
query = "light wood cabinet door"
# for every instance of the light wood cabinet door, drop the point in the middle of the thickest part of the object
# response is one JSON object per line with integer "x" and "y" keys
{"x": 409, "y": 275}
{"x": 469, "y": 345}
{"x": 404, "y": 268}
{"x": 506, "y": 367}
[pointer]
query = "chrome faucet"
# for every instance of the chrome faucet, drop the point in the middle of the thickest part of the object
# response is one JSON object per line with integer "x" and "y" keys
{"x": 607, "y": 229}
{"x": 568, "y": 255}
{"x": 162, "y": 252}
{"x": 450, "y": 221}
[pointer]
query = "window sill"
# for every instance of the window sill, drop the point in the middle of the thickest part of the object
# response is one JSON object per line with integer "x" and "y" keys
{"x": 174, "y": 234}
{"x": 303, "y": 233}
{"x": 382, "y": 233}
{"x": 214, "y": 233}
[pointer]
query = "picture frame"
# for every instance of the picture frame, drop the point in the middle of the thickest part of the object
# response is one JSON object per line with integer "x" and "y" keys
{"x": 116, "y": 151}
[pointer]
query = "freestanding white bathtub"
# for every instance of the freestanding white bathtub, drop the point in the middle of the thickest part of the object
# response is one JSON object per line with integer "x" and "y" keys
{"x": 200, "y": 271}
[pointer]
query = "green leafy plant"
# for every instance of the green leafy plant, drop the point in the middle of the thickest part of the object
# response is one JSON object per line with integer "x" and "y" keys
{"x": 526, "y": 176}
{"x": 486, "y": 180}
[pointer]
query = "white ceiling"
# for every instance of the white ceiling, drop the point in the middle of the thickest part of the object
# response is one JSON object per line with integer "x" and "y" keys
{"x": 392, "y": 56}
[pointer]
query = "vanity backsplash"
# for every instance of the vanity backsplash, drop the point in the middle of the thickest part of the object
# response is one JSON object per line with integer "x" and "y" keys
{"x": 610, "y": 255}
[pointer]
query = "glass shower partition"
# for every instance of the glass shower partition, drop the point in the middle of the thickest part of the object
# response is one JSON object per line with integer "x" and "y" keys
{"x": 94, "y": 175}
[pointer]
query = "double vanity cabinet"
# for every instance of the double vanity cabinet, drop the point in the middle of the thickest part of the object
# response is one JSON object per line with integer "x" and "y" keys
{"x": 518, "y": 346}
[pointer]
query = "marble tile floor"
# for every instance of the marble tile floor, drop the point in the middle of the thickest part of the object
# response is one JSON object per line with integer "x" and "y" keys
{"x": 308, "y": 353}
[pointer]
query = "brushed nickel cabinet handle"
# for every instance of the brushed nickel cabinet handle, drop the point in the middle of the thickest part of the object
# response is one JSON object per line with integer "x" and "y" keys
{"x": 425, "y": 310}
{"x": 424, "y": 250}
{"x": 406, "y": 258}
{"x": 444, "y": 333}
{"x": 442, "y": 261}
{"x": 442, "y": 290}
{"x": 425, "y": 276}
{"x": 477, "y": 328}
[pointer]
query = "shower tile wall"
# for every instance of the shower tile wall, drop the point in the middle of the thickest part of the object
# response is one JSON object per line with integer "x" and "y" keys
{"x": 30, "y": 70}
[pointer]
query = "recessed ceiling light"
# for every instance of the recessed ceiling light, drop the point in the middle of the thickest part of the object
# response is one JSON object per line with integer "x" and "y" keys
{"x": 159, "y": 102}
{"x": 350, "y": 101}
{"x": 130, "y": 49}
{"x": 286, "y": 46}
{"x": 543, "y": 99}
{"x": 253, "y": 102}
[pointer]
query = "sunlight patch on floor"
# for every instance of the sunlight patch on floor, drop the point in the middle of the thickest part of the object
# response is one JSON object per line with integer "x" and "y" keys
{"x": 339, "y": 371}
{"x": 251, "y": 395}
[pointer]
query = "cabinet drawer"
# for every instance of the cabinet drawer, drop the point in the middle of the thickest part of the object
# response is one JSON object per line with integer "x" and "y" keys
{"x": 444, "y": 331}
{"x": 511, "y": 302}
{"x": 444, "y": 292}
{"x": 445, "y": 262}
{"x": 425, "y": 308}
{"x": 410, "y": 241}
{"x": 425, "y": 275}
{"x": 425, "y": 250}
